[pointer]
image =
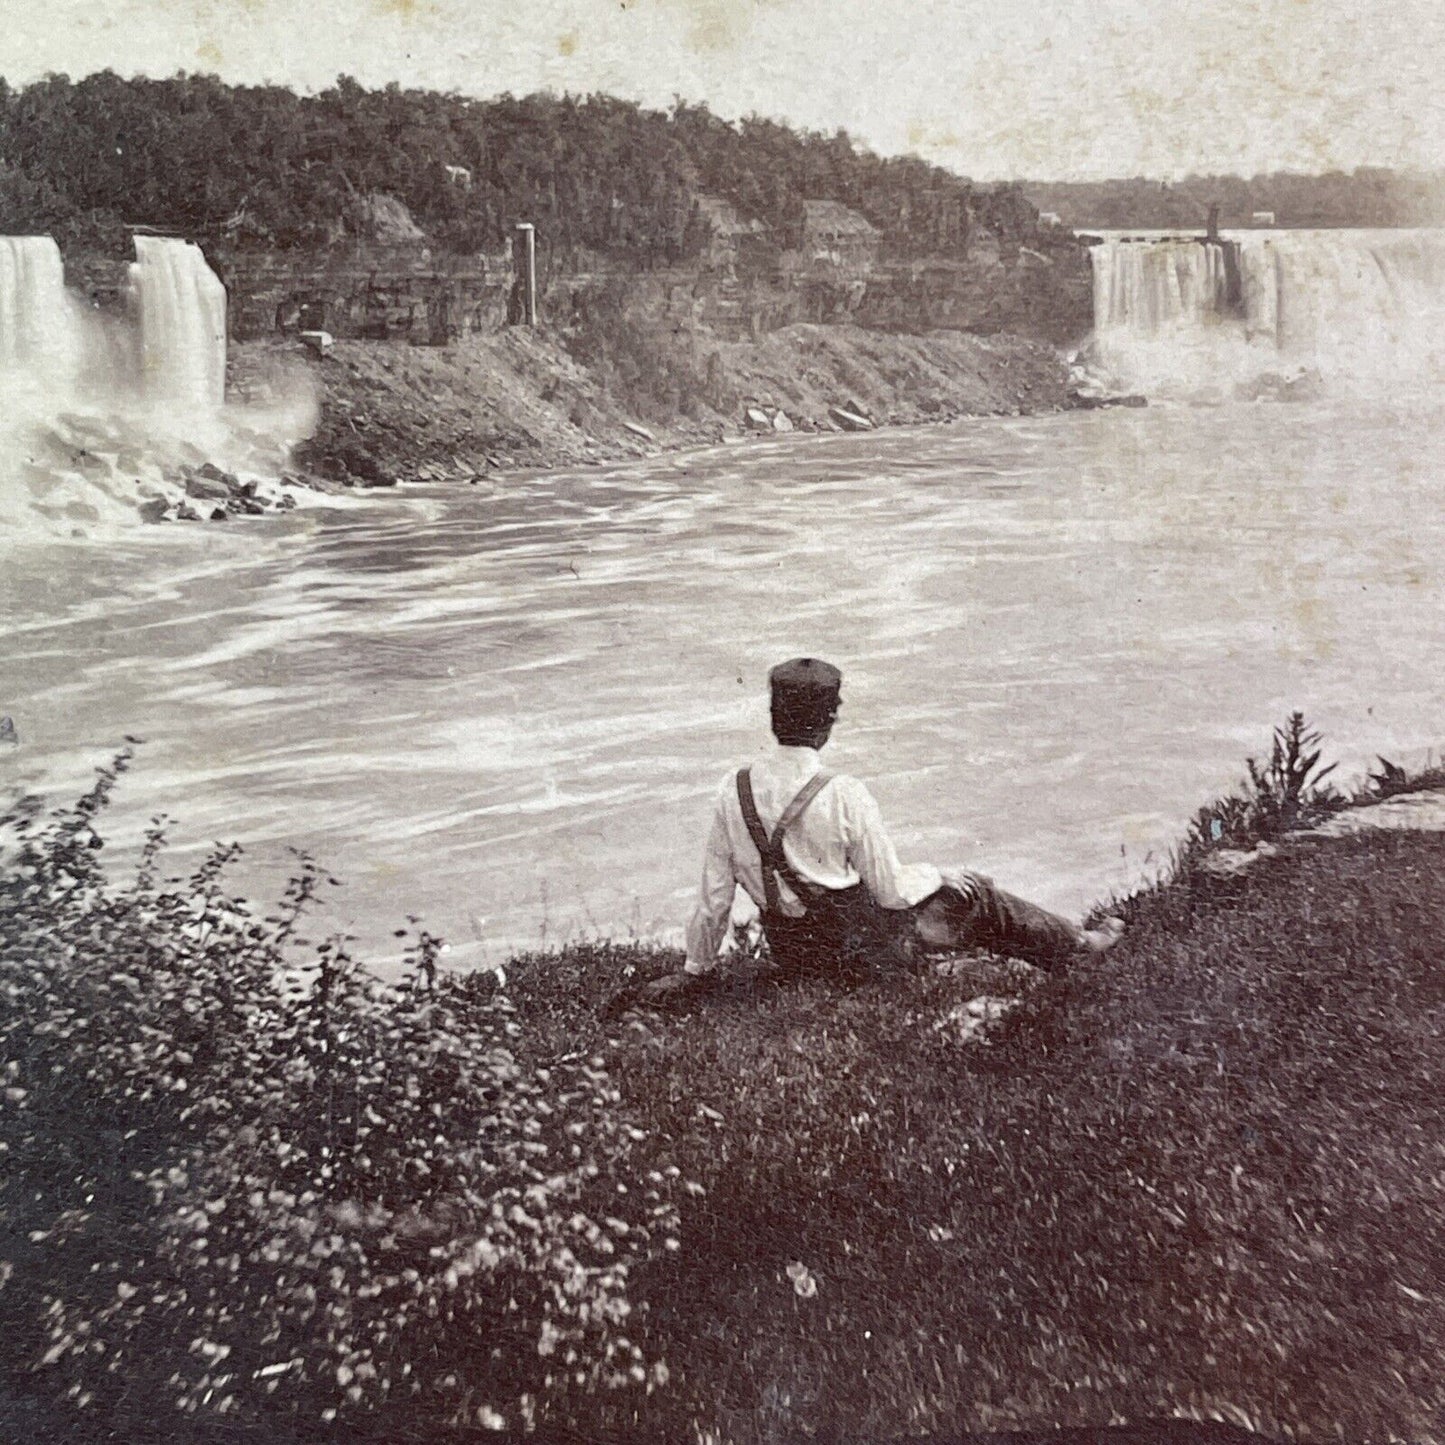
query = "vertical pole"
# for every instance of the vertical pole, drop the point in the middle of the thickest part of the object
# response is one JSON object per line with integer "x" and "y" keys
{"x": 525, "y": 254}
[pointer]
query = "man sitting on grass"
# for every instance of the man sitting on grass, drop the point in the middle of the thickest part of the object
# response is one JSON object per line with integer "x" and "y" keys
{"x": 811, "y": 851}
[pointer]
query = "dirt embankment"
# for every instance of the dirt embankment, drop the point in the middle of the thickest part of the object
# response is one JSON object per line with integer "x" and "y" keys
{"x": 517, "y": 398}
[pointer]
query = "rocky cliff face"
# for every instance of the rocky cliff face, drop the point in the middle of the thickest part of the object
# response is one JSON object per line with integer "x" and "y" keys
{"x": 414, "y": 293}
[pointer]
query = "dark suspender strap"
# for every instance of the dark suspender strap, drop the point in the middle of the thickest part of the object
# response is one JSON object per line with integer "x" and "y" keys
{"x": 798, "y": 806}
{"x": 770, "y": 850}
{"x": 759, "y": 835}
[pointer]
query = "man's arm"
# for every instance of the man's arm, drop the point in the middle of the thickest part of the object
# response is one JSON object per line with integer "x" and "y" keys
{"x": 875, "y": 859}
{"x": 709, "y": 923}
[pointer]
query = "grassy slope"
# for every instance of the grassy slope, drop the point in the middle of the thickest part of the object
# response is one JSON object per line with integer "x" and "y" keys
{"x": 1204, "y": 1175}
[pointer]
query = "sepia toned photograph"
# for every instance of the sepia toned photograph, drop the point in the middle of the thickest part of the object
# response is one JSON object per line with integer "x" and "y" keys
{"x": 721, "y": 722}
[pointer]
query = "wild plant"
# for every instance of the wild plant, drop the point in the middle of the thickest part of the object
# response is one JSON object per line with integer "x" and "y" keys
{"x": 1288, "y": 791}
{"x": 1392, "y": 780}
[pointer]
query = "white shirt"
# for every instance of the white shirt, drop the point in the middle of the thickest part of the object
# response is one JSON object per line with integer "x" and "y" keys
{"x": 838, "y": 842}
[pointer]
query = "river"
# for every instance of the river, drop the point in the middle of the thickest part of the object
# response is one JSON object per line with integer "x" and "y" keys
{"x": 506, "y": 708}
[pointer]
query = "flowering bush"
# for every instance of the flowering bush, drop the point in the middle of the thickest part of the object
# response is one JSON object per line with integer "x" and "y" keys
{"x": 240, "y": 1175}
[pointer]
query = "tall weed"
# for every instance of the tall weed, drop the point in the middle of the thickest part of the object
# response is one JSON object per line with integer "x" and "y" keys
{"x": 1288, "y": 791}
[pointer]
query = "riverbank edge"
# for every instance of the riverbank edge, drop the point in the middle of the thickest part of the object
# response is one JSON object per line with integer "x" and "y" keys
{"x": 536, "y": 400}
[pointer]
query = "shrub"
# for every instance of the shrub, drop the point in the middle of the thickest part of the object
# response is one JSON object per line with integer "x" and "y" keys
{"x": 1287, "y": 792}
{"x": 244, "y": 1177}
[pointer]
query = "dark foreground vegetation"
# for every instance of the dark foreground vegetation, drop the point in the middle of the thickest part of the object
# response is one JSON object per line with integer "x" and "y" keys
{"x": 1200, "y": 1177}
{"x": 260, "y": 166}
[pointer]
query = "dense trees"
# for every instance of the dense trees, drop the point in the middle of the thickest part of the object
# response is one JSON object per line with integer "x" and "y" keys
{"x": 261, "y": 166}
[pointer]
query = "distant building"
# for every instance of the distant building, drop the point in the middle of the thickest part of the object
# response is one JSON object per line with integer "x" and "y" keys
{"x": 384, "y": 220}
{"x": 834, "y": 234}
{"x": 727, "y": 231}
{"x": 1050, "y": 218}
{"x": 1262, "y": 218}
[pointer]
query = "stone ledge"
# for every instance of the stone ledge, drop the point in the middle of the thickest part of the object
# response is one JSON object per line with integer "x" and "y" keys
{"x": 1419, "y": 812}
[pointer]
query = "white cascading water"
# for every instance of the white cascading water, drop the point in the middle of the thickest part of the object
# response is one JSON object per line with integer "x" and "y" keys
{"x": 39, "y": 325}
{"x": 1158, "y": 287}
{"x": 102, "y": 414}
{"x": 182, "y": 308}
{"x": 1310, "y": 307}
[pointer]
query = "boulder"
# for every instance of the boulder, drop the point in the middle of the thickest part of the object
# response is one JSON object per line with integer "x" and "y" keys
{"x": 638, "y": 431}
{"x": 207, "y": 489}
{"x": 1094, "y": 401}
{"x": 757, "y": 419}
{"x": 849, "y": 420}
{"x": 153, "y": 509}
{"x": 782, "y": 421}
{"x": 1234, "y": 862}
{"x": 319, "y": 342}
{"x": 359, "y": 464}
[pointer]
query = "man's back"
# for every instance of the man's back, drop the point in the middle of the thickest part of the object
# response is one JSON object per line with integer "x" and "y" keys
{"x": 837, "y": 843}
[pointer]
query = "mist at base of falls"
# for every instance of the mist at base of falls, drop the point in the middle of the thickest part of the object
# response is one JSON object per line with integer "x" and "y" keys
{"x": 1269, "y": 314}
{"x": 100, "y": 411}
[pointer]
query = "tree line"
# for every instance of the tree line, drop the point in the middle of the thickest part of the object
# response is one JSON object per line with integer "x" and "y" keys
{"x": 260, "y": 166}
{"x": 1369, "y": 196}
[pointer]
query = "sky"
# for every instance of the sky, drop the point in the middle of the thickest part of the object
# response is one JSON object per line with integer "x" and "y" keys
{"x": 994, "y": 89}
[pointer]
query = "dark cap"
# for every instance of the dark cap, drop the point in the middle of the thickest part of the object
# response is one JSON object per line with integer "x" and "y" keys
{"x": 804, "y": 700}
{"x": 806, "y": 680}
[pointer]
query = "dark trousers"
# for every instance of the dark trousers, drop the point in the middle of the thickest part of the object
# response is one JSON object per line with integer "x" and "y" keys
{"x": 846, "y": 932}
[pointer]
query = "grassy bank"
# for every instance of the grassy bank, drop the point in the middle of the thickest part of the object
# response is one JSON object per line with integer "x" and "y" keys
{"x": 1201, "y": 1176}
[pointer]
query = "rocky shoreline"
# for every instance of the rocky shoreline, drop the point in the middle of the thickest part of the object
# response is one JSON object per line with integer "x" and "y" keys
{"x": 392, "y": 413}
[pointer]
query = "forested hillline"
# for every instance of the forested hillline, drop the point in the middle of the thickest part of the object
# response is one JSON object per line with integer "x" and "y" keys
{"x": 1369, "y": 196}
{"x": 255, "y": 167}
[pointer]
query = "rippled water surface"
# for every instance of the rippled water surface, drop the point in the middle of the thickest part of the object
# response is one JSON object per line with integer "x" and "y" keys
{"x": 506, "y": 709}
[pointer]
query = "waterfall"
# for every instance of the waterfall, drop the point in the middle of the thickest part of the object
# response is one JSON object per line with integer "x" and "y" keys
{"x": 39, "y": 331}
{"x": 182, "y": 308}
{"x": 1176, "y": 312}
{"x": 1152, "y": 288}
{"x": 105, "y": 414}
